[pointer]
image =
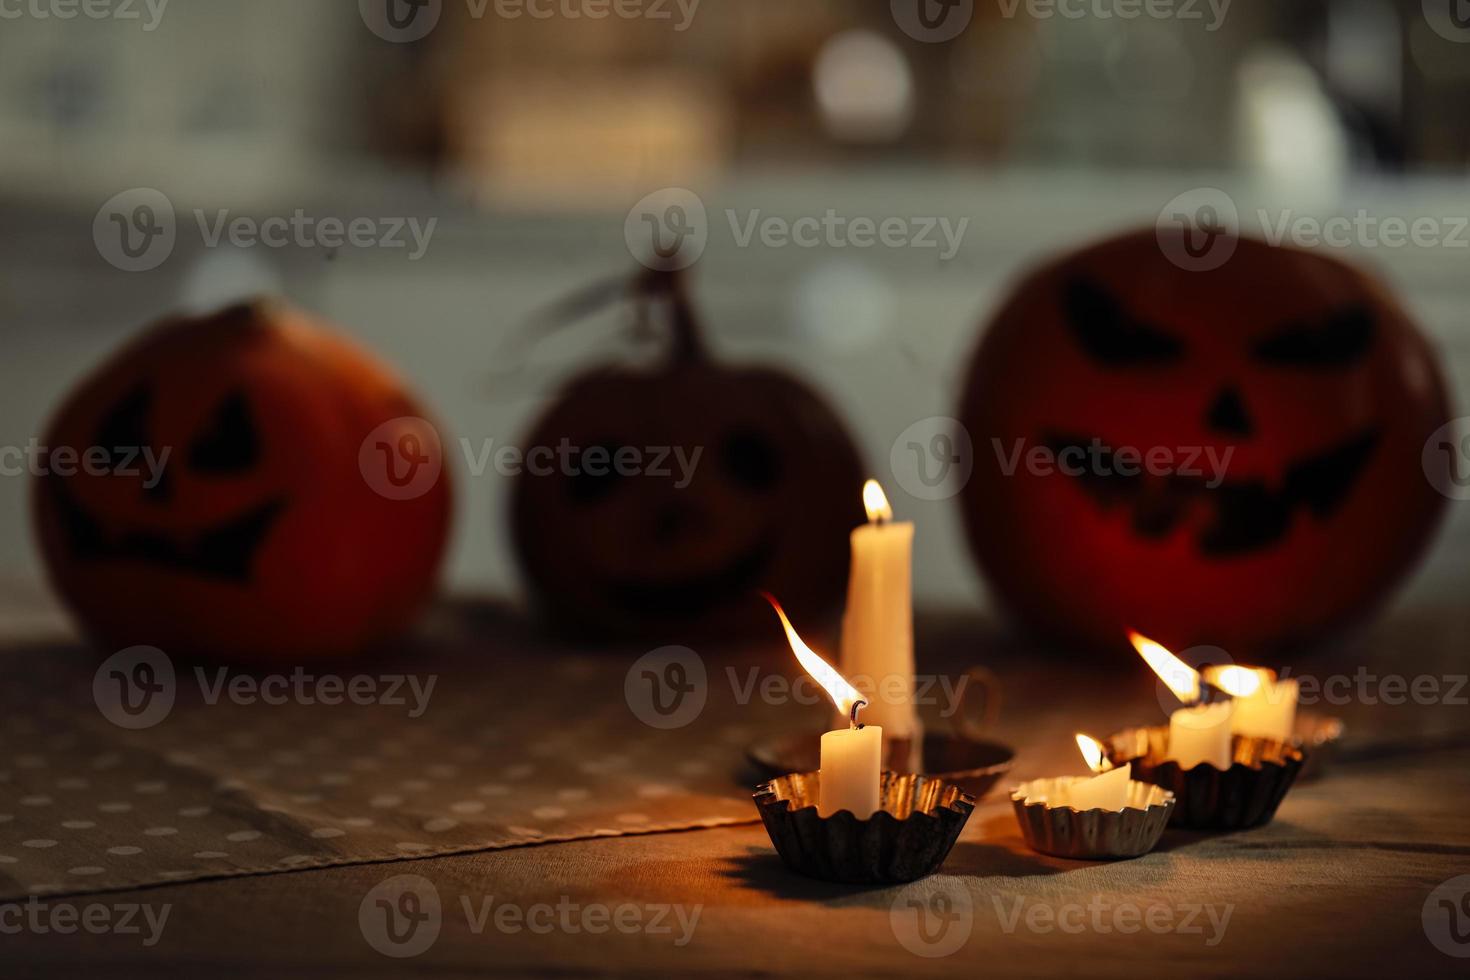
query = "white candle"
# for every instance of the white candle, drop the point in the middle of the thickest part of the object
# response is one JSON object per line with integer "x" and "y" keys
{"x": 1201, "y": 734}
{"x": 851, "y": 759}
{"x": 851, "y": 763}
{"x": 1264, "y": 706}
{"x": 1197, "y": 734}
{"x": 1108, "y": 791}
{"x": 878, "y": 626}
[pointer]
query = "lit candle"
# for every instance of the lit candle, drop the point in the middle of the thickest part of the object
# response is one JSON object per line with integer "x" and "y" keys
{"x": 851, "y": 762}
{"x": 1264, "y": 706}
{"x": 1198, "y": 733}
{"x": 878, "y": 626}
{"x": 1108, "y": 791}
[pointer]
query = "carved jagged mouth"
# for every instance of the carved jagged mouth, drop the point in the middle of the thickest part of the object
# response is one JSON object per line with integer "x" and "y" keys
{"x": 693, "y": 594}
{"x": 225, "y": 551}
{"x": 1242, "y": 515}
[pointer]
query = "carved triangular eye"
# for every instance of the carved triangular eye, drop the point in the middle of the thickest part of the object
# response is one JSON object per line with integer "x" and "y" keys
{"x": 230, "y": 444}
{"x": 1110, "y": 334}
{"x": 125, "y": 426}
{"x": 1336, "y": 341}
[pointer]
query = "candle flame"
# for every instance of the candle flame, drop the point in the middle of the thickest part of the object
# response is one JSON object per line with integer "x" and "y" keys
{"x": 1181, "y": 678}
{"x": 876, "y": 502}
{"x": 1092, "y": 753}
{"x": 843, "y": 694}
{"x": 1238, "y": 682}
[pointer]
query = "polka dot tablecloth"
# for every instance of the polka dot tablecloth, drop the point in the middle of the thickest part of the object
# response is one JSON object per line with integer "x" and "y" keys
{"x": 514, "y": 748}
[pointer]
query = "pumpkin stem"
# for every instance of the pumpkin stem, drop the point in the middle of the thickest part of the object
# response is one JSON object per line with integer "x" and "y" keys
{"x": 686, "y": 340}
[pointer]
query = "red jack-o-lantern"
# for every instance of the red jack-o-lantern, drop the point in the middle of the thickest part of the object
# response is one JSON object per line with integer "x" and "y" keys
{"x": 1300, "y": 368}
{"x": 258, "y": 537}
{"x": 663, "y": 550}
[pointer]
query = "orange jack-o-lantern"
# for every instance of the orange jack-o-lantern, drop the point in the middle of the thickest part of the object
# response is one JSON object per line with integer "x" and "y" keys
{"x": 736, "y": 479}
{"x": 1285, "y": 398}
{"x": 224, "y": 513}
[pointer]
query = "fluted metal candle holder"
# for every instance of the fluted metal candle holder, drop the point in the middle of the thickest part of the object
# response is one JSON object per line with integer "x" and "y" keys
{"x": 909, "y": 838}
{"x": 1095, "y": 834}
{"x": 1245, "y": 795}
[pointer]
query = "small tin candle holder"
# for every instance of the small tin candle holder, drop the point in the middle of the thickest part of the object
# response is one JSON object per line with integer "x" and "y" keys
{"x": 909, "y": 838}
{"x": 1064, "y": 831}
{"x": 1245, "y": 795}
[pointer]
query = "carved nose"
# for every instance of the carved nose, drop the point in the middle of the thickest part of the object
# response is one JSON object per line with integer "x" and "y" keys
{"x": 1227, "y": 414}
{"x": 673, "y": 521}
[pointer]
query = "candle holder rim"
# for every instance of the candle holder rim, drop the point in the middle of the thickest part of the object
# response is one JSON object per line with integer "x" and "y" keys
{"x": 1158, "y": 797}
{"x": 1290, "y": 754}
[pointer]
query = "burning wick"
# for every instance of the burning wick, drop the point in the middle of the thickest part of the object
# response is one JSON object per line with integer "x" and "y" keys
{"x": 875, "y": 502}
{"x": 1199, "y": 733}
{"x": 851, "y": 766}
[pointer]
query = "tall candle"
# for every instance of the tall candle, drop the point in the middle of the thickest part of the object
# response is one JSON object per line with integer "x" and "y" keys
{"x": 851, "y": 762}
{"x": 878, "y": 626}
{"x": 1264, "y": 706}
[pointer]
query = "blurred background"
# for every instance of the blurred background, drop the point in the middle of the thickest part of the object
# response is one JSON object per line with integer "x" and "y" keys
{"x": 527, "y": 131}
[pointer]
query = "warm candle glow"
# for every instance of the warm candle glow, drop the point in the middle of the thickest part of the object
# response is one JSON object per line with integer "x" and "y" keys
{"x": 1181, "y": 678}
{"x": 876, "y": 502}
{"x": 1092, "y": 753}
{"x": 1238, "y": 682}
{"x": 843, "y": 694}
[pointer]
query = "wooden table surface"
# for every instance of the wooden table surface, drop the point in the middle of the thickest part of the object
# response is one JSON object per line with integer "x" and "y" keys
{"x": 1342, "y": 882}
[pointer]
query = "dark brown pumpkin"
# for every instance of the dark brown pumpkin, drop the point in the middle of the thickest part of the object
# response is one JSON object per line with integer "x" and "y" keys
{"x": 773, "y": 496}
